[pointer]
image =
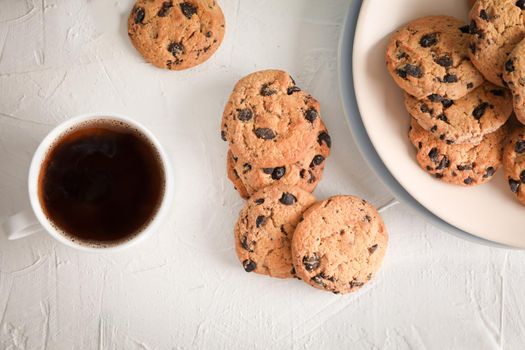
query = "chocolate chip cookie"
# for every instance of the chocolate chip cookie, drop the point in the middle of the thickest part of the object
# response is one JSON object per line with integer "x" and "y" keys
{"x": 176, "y": 34}
{"x": 306, "y": 173}
{"x": 339, "y": 245}
{"x": 430, "y": 56}
{"x": 465, "y": 164}
{"x": 496, "y": 27}
{"x": 231, "y": 161}
{"x": 466, "y": 120}
{"x": 263, "y": 233}
{"x": 514, "y": 163}
{"x": 269, "y": 120}
{"x": 515, "y": 77}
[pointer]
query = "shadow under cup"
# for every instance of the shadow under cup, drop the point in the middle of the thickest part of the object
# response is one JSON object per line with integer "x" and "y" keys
{"x": 101, "y": 183}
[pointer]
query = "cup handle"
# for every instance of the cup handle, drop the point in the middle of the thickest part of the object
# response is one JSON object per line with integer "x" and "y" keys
{"x": 21, "y": 225}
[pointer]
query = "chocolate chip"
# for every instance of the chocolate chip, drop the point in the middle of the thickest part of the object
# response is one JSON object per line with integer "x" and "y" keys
{"x": 140, "y": 13}
{"x": 310, "y": 115}
{"x": 450, "y": 142}
{"x": 520, "y": 147}
{"x": 473, "y": 48}
{"x": 165, "y": 9}
{"x": 450, "y": 78}
{"x": 484, "y": 15}
{"x": 368, "y": 218}
{"x": 447, "y": 103}
{"x": 464, "y": 167}
{"x": 489, "y": 172}
{"x": 293, "y": 89}
{"x": 465, "y": 29}
{"x": 434, "y": 155}
{"x": 267, "y": 171}
{"x": 259, "y": 201}
{"x": 261, "y": 220}
{"x": 288, "y": 199}
{"x": 435, "y": 98}
{"x": 438, "y": 176}
{"x": 442, "y": 137}
{"x": 522, "y": 176}
{"x": 244, "y": 115}
{"x": 509, "y": 66}
{"x": 445, "y": 163}
{"x": 475, "y": 30}
{"x": 401, "y": 55}
{"x": 420, "y": 145}
{"x": 265, "y": 133}
{"x": 188, "y": 9}
{"x": 318, "y": 279}
{"x": 470, "y": 85}
{"x": 278, "y": 173}
{"x": 208, "y": 34}
{"x": 249, "y": 265}
{"x": 356, "y": 284}
{"x": 324, "y": 137}
{"x": 318, "y": 159}
{"x": 443, "y": 117}
{"x": 498, "y": 92}
{"x": 246, "y": 245}
{"x": 311, "y": 262}
{"x": 429, "y": 40}
{"x": 434, "y": 128}
{"x": 479, "y": 111}
{"x": 266, "y": 90}
{"x": 468, "y": 181}
{"x": 372, "y": 249}
{"x": 514, "y": 185}
{"x": 521, "y": 4}
{"x": 176, "y": 49}
{"x": 246, "y": 168}
{"x": 223, "y": 135}
{"x": 445, "y": 61}
{"x": 424, "y": 108}
{"x": 409, "y": 70}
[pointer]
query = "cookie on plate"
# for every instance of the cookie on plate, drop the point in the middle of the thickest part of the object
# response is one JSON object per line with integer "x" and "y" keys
{"x": 231, "y": 160}
{"x": 176, "y": 34}
{"x": 515, "y": 77}
{"x": 339, "y": 245}
{"x": 466, "y": 120}
{"x": 496, "y": 27}
{"x": 306, "y": 173}
{"x": 466, "y": 164}
{"x": 514, "y": 163}
{"x": 264, "y": 230}
{"x": 269, "y": 120}
{"x": 429, "y": 56}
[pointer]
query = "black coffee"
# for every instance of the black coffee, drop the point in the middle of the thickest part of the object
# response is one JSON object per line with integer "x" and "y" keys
{"x": 101, "y": 182}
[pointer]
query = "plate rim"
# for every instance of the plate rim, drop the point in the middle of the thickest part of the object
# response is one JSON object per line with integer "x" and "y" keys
{"x": 345, "y": 67}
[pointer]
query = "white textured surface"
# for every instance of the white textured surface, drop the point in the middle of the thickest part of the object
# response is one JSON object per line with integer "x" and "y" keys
{"x": 184, "y": 288}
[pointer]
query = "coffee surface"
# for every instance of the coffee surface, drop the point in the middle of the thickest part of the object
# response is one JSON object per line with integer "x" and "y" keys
{"x": 101, "y": 183}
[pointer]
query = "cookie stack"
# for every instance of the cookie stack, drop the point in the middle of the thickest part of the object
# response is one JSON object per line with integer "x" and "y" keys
{"x": 278, "y": 149}
{"x": 459, "y": 111}
{"x": 275, "y": 133}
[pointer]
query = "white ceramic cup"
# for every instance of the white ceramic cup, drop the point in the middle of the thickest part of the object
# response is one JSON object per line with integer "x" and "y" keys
{"x": 34, "y": 220}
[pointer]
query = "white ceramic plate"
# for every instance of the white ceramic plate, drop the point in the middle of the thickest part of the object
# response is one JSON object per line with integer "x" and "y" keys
{"x": 488, "y": 211}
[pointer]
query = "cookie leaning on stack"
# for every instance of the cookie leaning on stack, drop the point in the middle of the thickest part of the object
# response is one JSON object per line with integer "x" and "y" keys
{"x": 275, "y": 133}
